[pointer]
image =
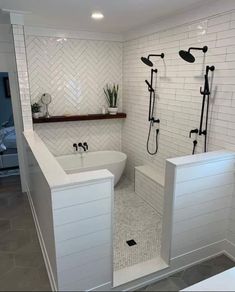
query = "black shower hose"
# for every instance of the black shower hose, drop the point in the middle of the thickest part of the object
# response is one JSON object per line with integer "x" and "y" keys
{"x": 150, "y": 128}
{"x": 157, "y": 132}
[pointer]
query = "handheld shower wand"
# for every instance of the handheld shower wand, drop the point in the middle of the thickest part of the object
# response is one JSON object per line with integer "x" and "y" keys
{"x": 152, "y": 99}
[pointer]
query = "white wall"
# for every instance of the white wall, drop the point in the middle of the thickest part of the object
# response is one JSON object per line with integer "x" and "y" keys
{"x": 82, "y": 220}
{"x": 203, "y": 193}
{"x": 177, "y": 85}
{"x": 73, "y": 217}
{"x": 40, "y": 198}
{"x": 231, "y": 227}
{"x": 100, "y": 135}
{"x": 75, "y": 71}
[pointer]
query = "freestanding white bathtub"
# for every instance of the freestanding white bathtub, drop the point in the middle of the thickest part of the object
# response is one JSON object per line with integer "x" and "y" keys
{"x": 114, "y": 161}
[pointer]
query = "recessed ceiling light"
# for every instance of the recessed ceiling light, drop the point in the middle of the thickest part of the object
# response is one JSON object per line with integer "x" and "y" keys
{"x": 97, "y": 15}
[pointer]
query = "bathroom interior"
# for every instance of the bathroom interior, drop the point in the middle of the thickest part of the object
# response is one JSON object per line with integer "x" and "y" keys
{"x": 124, "y": 133}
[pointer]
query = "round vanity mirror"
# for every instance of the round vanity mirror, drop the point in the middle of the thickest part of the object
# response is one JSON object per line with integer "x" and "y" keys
{"x": 46, "y": 100}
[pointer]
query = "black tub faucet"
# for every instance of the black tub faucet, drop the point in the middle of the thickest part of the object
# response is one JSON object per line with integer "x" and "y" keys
{"x": 86, "y": 145}
{"x": 75, "y": 146}
{"x": 83, "y": 146}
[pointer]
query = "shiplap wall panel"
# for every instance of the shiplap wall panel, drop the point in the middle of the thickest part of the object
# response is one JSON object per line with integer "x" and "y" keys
{"x": 202, "y": 201}
{"x": 231, "y": 227}
{"x": 79, "y": 212}
{"x": 90, "y": 281}
{"x": 80, "y": 272}
{"x": 80, "y": 243}
{"x": 65, "y": 199}
{"x": 81, "y": 258}
{"x": 82, "y": 227}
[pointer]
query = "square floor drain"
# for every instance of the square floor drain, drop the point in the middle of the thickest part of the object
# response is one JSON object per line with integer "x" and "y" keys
{"x": 131, "y": 242}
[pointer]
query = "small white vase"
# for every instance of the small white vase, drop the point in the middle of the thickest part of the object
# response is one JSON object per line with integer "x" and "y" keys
{"x": 36, "y": 115}
{"x": 112, "y": 110}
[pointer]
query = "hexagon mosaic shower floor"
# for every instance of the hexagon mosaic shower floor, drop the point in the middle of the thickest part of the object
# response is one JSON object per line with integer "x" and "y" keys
{"x": 134, "y": 220}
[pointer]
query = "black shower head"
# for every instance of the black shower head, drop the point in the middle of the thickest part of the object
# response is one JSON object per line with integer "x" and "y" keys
{"x": 188, "y": 57}
{"x": 146, "y": 61}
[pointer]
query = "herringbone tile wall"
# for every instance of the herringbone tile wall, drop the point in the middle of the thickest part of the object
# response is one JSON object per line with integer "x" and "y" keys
{"x": 100, "y": 135}
{"x": 74, "y": 72}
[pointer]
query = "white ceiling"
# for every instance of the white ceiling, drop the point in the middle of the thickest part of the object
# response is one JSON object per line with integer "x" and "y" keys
{"x": 120, "y": 16}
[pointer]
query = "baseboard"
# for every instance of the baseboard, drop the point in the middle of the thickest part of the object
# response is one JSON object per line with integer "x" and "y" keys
{"x": 42, "y": 244}
{"x": 177, "y": 264}
{"x": 104, "y": 287}
{"x": 229, "y": 249}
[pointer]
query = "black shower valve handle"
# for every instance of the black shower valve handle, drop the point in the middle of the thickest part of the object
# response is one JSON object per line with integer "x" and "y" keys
{"x": 153, "y": 120}
{"x": 156, "y": 121}
{"x": 86, "y": 145}
{"x": 75, "y": 146}
{"x": 194, "y": 131}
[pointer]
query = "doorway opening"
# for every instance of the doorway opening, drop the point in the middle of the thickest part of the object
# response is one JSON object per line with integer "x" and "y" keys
{"x": 9, "y": 164}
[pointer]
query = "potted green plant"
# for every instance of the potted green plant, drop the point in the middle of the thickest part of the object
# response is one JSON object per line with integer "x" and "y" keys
{"x": 35, "y": 107}
{"x": 111, "y": 93}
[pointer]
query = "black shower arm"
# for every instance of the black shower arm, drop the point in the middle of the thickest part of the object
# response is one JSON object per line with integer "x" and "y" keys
{"x": 159, "y": 55}
{"x": 193, "y": 48}
{"x": 204, "y": 49}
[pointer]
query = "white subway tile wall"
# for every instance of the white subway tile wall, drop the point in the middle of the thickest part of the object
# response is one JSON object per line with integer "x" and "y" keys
{"x": 22, "y": 71}
{"x": 178, "y": 90}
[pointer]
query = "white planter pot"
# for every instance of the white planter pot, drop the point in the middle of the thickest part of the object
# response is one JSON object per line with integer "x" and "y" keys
{"x": 112, "y": 110}
{"x": 36, "y": 115}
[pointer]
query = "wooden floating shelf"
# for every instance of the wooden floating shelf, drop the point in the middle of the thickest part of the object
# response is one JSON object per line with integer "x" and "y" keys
{"x": 57, "y": 119}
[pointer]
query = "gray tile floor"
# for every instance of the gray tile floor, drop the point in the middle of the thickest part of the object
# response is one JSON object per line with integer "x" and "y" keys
{"x": 192, "y": 275}
{"x": 21, "y": 263}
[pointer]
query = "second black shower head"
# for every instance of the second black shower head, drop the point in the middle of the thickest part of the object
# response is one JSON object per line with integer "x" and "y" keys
{"x": 188, "y": 57}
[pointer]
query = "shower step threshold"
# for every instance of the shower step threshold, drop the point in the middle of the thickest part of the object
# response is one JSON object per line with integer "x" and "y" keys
{"x": 137, "y": 271}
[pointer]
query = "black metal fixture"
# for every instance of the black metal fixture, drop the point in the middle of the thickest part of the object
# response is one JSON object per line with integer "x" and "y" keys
{"x": 194, "y": 146}
{"x": 188, "y": 57}
{"x": 147, "y": 61}
{"x": 205, "y": 103}
{"x": 152, "y": 100}
{"x": 75, "y": 146}
{"x": 80, "y": 146}
{"x": 85, "y": 145}
{"x": 205, "y": 100}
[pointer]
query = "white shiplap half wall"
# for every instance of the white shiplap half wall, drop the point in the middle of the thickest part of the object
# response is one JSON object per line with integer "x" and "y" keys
{"x": 178, "y": 90}
{"x": 203, "y": 192}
